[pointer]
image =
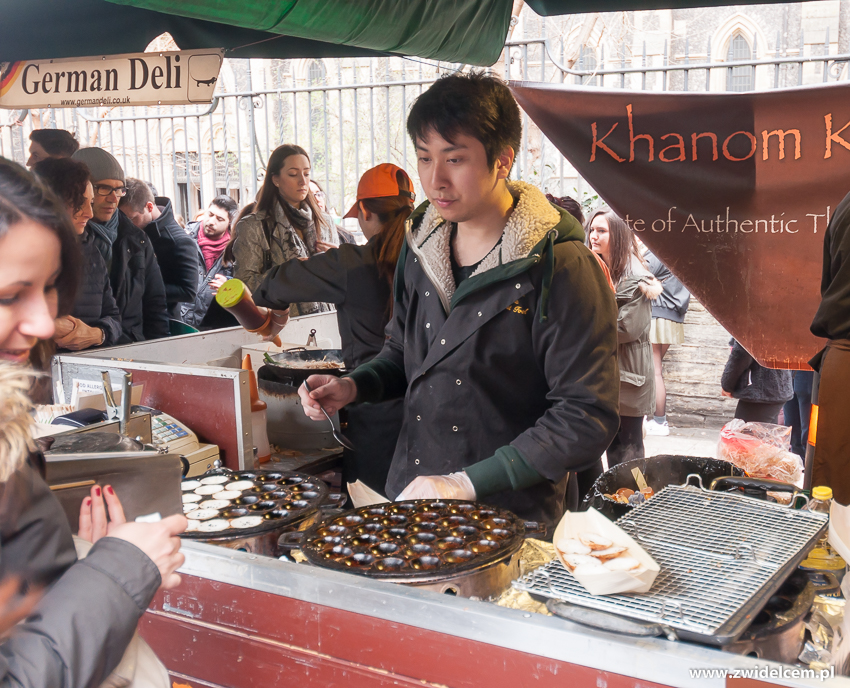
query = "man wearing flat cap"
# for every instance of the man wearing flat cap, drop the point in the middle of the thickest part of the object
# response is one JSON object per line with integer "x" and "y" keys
{"x": 133, "y": 271}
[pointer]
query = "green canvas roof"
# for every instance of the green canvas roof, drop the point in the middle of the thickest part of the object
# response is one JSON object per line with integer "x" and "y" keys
{"x": 465, "y": 31}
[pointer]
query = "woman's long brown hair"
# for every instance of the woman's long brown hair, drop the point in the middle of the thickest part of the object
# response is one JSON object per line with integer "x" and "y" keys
{"x": 621, "y": 243}
{"x": 392, "y": 211}
{"x": 270, "y": 195}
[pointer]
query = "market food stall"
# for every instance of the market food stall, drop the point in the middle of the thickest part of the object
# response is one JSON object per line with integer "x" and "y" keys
{"x": 243, "y": 616}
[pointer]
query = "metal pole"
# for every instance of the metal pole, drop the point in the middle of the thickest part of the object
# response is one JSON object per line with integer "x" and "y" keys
{"x": 252, "y": 134}
{"x": 356, "y": 126}
{"x": 389, "y": 156}
{"x": 523, "y": 157}
{"x": 372, "y": 108}
{"x": 341, "y": 203}
{"x": 687, "y": 61}
{"x": 708, "y": 69}
{"x": 213, "y": 166}
{"x": 776, "y": 67}
{"x": 826, "y": 56}
{"x": 201, "y": 166}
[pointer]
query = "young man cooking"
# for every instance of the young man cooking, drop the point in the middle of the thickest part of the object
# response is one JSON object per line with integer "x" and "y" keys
{"x": 503, "y": 338}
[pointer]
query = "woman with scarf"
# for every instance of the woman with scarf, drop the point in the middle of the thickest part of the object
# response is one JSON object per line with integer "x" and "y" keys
{"x": 613, "y": 241}
{"x": 287, "y": 224}
{"x": 94, "y": 320}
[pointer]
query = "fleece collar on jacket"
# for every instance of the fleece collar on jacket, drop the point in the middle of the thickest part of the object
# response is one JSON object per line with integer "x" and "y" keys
{"x": 533, "y": 216}
{"x": 15, "y": 420}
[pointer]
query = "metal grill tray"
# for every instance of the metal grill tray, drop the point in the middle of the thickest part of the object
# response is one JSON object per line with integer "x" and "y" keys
{"x": 281, "y": 498}
{"x": 721, "y": 556}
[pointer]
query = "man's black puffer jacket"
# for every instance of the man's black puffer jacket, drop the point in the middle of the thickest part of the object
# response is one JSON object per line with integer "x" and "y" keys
{"x": 176, "y": 255}
{"x": 95, "y": 305}
{"x": 137, "y": 285}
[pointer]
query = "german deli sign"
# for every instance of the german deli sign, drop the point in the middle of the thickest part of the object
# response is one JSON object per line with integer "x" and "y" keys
{"x": 159, "y": 78}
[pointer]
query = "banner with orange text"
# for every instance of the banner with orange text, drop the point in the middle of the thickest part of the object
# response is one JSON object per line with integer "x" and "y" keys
{"x": 732, "y": 191}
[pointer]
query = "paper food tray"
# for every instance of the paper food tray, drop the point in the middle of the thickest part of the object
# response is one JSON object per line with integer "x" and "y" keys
{"x": 607, "y": 582}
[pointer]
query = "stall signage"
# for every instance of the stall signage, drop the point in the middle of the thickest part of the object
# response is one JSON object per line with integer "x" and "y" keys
{"x": 732, "y": 191}
{"x": 158, "y": 78}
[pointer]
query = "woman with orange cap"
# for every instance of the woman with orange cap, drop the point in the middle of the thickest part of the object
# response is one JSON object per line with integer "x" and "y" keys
{"x": 358, "y": 280}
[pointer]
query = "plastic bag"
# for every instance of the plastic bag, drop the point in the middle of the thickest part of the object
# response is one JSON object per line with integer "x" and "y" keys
{"x": 761, "y": 449}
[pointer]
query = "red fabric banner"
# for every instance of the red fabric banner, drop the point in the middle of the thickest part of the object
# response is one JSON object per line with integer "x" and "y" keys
{"x": 732, "y": 191}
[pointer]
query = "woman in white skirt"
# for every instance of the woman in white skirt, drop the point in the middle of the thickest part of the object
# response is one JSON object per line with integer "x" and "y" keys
{"x": 668, "y": 318}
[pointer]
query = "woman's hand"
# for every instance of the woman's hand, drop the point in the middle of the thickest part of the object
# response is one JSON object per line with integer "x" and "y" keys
{"x": 160, "y": 542}
{"x": 217, "y": 283}
{"x": 322, "y": 246}
{"x": 93, "y": 522}
{"x": 330, "y": 392}
{"x": 724, "y": 393}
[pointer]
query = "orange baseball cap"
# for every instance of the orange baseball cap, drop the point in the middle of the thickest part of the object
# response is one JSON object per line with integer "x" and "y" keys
{"x": 380, "y": 182}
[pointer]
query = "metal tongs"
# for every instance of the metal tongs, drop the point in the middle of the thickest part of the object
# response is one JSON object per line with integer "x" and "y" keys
{"x": 114, "y": 411}
{"x": 337, "y": 436}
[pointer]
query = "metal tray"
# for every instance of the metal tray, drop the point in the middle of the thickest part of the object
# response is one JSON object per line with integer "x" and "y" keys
{"x": 415, "y": 540}
{"x": 721, "y": 555}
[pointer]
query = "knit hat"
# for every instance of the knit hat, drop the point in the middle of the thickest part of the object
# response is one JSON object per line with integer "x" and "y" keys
{"x": 102, "y": 164}
{"x": 380, "y": 182}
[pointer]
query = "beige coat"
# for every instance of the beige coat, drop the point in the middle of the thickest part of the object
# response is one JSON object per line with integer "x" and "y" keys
{"x": 635, "y": 292}
{"x": 250, "y": 246}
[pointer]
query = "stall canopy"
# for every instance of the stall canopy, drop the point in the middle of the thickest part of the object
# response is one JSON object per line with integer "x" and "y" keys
{"x": 466, "y": 31}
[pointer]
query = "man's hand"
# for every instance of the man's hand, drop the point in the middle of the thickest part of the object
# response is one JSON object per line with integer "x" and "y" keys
{"x": 724, "y": 393}
{"x": 333, "y": 393}
{"x": 452, "y": 486}
{"x": 79, "y": 337}
{"x": 217, "y": 283}
{"x": 160, "y": 542}
{"x": 63, "y": 326}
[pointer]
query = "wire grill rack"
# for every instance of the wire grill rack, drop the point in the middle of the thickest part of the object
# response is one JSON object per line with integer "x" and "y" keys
{"x": 721, "y": 556}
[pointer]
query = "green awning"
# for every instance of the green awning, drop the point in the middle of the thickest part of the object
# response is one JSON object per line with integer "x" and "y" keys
{"x": 548, "y": 8}
{"x": 54, "y": 29}
{"x": 467, "y": 31}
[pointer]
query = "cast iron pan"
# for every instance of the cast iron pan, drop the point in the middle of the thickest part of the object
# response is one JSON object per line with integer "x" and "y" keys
{"x": 414, "y": 539}
{"x": 288, "y": 367}
{"x": 658, "y": 471}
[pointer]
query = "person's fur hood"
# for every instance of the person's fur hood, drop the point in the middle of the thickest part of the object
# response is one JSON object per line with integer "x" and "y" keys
{"x": 15, "y": 418}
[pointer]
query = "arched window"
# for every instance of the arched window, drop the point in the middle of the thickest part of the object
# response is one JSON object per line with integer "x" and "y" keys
{"x": 316, "y": 73}
{"x": 587, "y": 63}
{"x": 740, "y": 79}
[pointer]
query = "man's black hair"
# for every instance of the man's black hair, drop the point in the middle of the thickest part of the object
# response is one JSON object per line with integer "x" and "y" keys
{"x": 56, "y": 142}
{"x": 227, "y": 204}
{"x": 476, "y": 104}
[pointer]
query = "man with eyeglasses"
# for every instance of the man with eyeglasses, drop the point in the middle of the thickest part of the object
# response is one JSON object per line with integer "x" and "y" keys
{"x": 133, "y": 271}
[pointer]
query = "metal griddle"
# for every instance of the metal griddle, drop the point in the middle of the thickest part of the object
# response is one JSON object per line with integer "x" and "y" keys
{"x": 414, "y": 541}
{"x": 282, "y": 498}
{"x": 721, "y": 555}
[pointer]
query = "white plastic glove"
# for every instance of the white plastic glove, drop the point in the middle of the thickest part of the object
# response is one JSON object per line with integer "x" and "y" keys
{"x": 452, "y": 486}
